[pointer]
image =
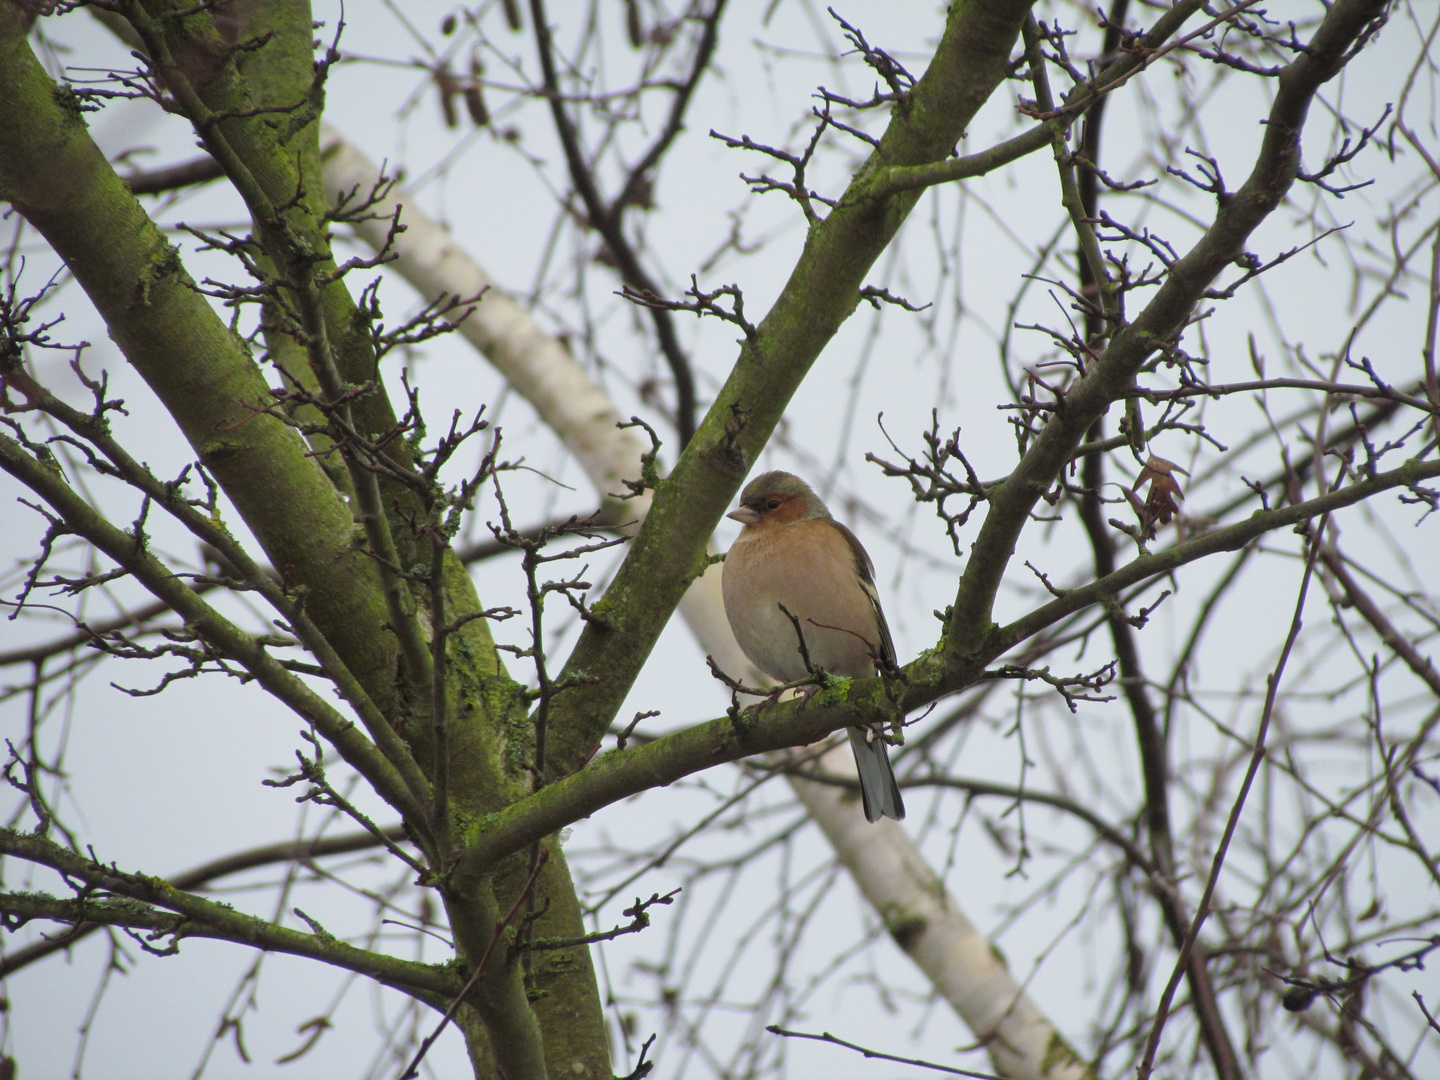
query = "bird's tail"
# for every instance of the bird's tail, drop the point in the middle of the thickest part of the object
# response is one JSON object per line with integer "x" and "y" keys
{"x": 878, "y": 789}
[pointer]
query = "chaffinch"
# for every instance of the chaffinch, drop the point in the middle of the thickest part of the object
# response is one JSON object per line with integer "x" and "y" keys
{"x": 793, "y": 553}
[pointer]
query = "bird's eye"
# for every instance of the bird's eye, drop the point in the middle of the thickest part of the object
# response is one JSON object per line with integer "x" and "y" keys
{"x": 773, "y": 504}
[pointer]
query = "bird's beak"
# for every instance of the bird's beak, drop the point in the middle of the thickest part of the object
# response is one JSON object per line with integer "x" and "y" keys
{"x": 744, "y": 515}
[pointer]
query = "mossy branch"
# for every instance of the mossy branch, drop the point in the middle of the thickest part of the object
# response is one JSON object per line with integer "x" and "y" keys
{"x": 823, "y": 290}
{"x": 1161, "y": 321}
{"x": 151, "y": 904}
{"x": 228, "y": 639}
{"x": 622, "y": 773}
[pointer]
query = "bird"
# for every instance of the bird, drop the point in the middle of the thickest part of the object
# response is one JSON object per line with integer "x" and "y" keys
{"x": 793, "y": 554}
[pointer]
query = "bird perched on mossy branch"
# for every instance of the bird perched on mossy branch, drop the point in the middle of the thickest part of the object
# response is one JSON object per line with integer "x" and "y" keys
{"x": 793, "y": 556}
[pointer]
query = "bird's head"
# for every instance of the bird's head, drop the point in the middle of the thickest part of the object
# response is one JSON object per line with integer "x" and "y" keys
{"x": 777, "y": 498}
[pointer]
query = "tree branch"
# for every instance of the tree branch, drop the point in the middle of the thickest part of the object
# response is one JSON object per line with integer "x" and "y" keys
{"x": 288, "y": 851}
{"x": 823, "y": 290}
{"x": 197, "y": 917}
{"x": 608, "y": 219}
{"x": 1163, "y": 319}
{"x": 130, "y": 553}
{"x": 619, "y": 774}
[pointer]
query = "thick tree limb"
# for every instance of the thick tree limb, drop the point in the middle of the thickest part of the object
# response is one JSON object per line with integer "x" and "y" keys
{"x": 131, "y": 554}
{"x": 53, "y": 173}
{"x": 194, "y": 916}
{"x": 288, "y": 851}
{"x": 621, "y": 773}
{"x": 1161, "y": 321}
{"x": 200, "y": 170}
{"x": 670, "y": 550}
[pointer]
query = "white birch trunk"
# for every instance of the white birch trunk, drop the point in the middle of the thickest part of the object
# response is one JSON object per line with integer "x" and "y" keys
{"x": 926, "y": 922}
{"x": 922, "y": 917}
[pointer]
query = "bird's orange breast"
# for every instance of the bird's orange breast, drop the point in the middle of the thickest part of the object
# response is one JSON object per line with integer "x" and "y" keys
{"x": 809, "y": 568}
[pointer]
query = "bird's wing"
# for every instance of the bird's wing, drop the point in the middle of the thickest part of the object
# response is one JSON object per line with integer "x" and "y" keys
{"x": 865, "y": 574}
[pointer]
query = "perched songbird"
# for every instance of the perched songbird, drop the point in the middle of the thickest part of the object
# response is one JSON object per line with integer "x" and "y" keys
{"x": 793, "y": 553}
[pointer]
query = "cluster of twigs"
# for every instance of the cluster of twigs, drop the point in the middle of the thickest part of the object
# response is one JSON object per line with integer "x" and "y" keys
{"x": 1168, "y": 894}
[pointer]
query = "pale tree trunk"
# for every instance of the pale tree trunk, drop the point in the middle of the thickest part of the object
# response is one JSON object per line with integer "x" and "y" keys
{"x": 884, "y": 862}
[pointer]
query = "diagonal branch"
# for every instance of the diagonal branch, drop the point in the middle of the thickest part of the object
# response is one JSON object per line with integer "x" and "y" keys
{"x": 194, "y": 916}
{"x": 130, "y": 553}
{"x": 1387, "y": 631}
{"x": 619, "y": 774}
{"x": 288, "y": 851}
{"x": 1163, "y": 319}
{"x": 823, "y": 290}
{"x": 608, "y": 219}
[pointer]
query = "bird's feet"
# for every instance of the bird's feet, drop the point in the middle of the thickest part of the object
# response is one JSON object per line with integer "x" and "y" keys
{"x": 804, "y": 692}
{"x": 769, "y": 699}
{"x": 809, "y": 690}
